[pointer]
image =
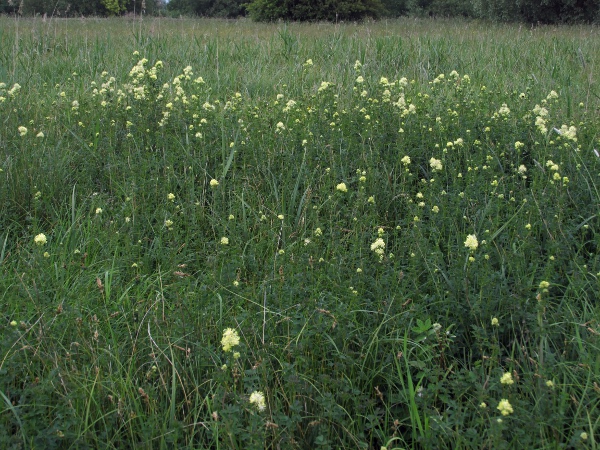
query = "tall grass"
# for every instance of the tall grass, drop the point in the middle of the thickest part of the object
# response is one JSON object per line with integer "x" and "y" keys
{"x": 395, "y": 222}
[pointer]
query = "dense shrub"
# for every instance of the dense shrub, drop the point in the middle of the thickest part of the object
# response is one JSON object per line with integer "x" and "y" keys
{"x": 208, "y": 8}
{"x": 314, "y": 10}
{"x": 538, "y": 11}
{"x": 74, "y": 8}
{"x": 444, "y": 8}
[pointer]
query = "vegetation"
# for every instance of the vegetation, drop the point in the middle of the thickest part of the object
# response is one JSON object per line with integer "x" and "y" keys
{"x": 219, "y": 234}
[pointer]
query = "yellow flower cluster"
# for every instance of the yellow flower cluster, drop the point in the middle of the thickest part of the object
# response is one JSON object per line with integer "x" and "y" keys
{"x": 471, "y": 242}
{"x": 230, "y": 339}
{"x": 257, "y": 399}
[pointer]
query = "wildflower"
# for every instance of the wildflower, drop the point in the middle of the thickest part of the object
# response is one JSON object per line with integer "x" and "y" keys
{"x": 171, "y": 197}
{"x": 224, "y": 241}
{"x": 483, "y": 405}
{"x": 405, "y": 160}
{"x": 435, "y": 209}
{"x": 40, "y": 135}
{"x": 550, "y": 384}
{"x": 471, "y": 242}
{"x": 230, "y": 339}
{"x": 371, "y": 199}
{"x": 214, "y": 183}
{"x": 280, "y": 216}
{"x": 342, "y": 187}
{"x": 40, "y": 239}
{"x": 507, "y": 379}
{"x": 309, "y": 62}
{"x": 22, "y": 131}
{"x": 318, "y": 232}
{"x": 13, "y": 323}
{"x": 583, "y": 436}
{"x": 98, "y": 210}
{"x": 504, "y": 111}
{"x": 12, "y": 91}
{"x": 544, "y": 285}
{"x": 360, "y": 79}
{"x": 435, "y": 164}
{"x": 528, "y": 226}
{"x": 505, "y": 407}
{"x": 257, "y": 398}
{"x": 495, "y": 322}
{"x": 168, "y": 223}
{"x": 236, "y": 283}
{"x": 378, "y": 247}
{"x": 324, "y": 85}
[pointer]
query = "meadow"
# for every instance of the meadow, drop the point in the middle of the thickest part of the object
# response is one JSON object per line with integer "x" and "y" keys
{"x": 227, "y": 235}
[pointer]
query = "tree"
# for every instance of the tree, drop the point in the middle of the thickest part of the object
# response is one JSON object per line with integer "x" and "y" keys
{"x": 209, "y": 8}
{"x": 315, "y": 10}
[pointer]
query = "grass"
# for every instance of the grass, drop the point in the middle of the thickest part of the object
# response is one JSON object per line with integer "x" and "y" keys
{"x": 395, "y": 251}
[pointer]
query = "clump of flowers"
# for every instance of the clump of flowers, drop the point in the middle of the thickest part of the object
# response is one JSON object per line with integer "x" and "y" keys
{"x": 342, "y": 187}
{"x": 214, "y": 183}
{"x": 435, "y": 164}
{"x": 230, "y": 339}
{"x": 505, "y": 407}
{"x": 22, "y": 131}
{"x": 257, "y": 398}
{"x": 224, "y": 240}
{"x": 378, "y": 247}
{"x": 40, "y": 239}
{"x": 507, "y": 379}
{"x": 471, "y": 242}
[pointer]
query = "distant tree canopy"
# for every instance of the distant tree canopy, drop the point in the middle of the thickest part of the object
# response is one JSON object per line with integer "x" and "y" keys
{"x": 315, "y": 10}
{"x": 72, "y": 8}
{"x": 208, "y": 8}
{"x": 530, "y": 11}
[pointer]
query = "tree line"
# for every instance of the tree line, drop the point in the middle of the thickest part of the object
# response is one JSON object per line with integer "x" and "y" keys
{"x": 77, "y": 8}
{"x": 530, "y": 11}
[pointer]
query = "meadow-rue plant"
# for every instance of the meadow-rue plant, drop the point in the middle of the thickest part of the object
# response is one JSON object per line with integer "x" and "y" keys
{"x": 214, "y": 183}
{"x": 230, "y": 339}
{"x": 40, "y": 239}
{"x": 342, "y": 187}
{"x": 257, "y": 399}
{"x": 505, "y": 407}
{"x": 495, "y": 322}
{"x": 507, "y": 379}
{"x": 471, "y": 242}
{"x": 224, "y": 240}
{"x": 22, "y": 130}
{"x": 435, "y": 164}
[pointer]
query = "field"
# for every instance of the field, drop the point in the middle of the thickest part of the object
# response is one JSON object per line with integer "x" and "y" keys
{"x": 222, "y": 234}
